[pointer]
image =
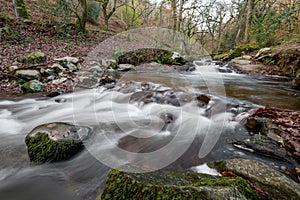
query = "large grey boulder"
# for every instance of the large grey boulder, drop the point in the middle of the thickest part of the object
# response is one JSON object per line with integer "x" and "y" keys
{"x": 55, "y": 141}
{"x": 174, "y": 185}
{"x": 28, "y": 74}
{"x": 274, "y": 184}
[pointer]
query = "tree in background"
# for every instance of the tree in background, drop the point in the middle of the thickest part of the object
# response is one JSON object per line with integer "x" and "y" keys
{"x": 109, "y": 7}
{"x": 81, "y": 17}
{"x": 20, "y": 9}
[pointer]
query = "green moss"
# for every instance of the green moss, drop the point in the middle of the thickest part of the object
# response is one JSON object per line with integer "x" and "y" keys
{"x": 120, "y": 185}
{"x": 35, "y": 57}
{"x": 169, "y": 185}
{"x": 236, "y": 52}
{"x": 240, "y": 183}
{"x": 223, "y": 56}
{"x": 296, "y": 82}
{"x": 150, "y": 55}
{"x": 42, "y": 149}
{"x": 33, "y": 86}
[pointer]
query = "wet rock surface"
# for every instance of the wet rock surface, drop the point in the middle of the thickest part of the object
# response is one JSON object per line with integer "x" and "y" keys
{"x": 282, "y": 126}
{"x": 174, "y": 185}
{"x": 271, "y": 183}
{"x": 55, "y": 142}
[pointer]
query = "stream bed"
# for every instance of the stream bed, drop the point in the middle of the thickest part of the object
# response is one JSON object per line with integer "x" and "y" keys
{"x": 127, "y": 129}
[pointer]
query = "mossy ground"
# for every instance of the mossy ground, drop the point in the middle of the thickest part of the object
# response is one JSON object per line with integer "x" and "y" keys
{"x": 42, "y": 149}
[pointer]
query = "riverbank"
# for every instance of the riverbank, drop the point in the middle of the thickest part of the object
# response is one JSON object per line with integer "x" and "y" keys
{"x": 281, "y": 60}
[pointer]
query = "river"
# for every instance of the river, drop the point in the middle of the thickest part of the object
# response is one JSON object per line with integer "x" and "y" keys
{"x": 198, "y": 134}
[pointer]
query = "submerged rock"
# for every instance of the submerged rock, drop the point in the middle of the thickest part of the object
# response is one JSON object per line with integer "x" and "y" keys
{"x": 175, "y": 185}
{"x": 54, "y": 142}
{"x": 274, "y": 184}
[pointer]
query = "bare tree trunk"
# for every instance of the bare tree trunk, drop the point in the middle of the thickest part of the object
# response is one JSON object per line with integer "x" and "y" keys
{"x": 83, "y": 15}
{"x": 174, "y": 14}
{"x": 107, "y": 14}
{"x": 247, "y": 22}
{"x": 20, "y": 9}
{"x": 180, "y": 13}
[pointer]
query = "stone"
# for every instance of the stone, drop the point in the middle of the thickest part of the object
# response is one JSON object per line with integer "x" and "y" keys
{"x": 264, "y": 145}
{"x": 274, "y": 184}
{"x": 147, "y": 55}
{"x": 28, "y": 74}
{"x": 55, "y": 142}
{"x": 70, "y": 63}
{"x": 203, "y": 98}
{"x": 59, "y": 81}
{"x": 90, "y": 80}
{"x": 296, "y": 82}
{"x": 107, "y": 80}
{"x": 36, "y": 57}
{"x": 240, "y": 61}
{"x": 33, "y": 58}
{"x": 57, "y": 68}
{"x": 12, "y": 68}
{"x": 72, "y": 67}
{"x": 47, "y": 72}
{"x": 246, "y": 57}
{"x": 263, "y": 52}
{"x": 110, "y": 63}
{"x": 33, "y": 86}
{"x": 95, "y": 69}
{"x": 174, "y": 185}
{"x": 126, "y": 67}
{"x": 66, "y": 60}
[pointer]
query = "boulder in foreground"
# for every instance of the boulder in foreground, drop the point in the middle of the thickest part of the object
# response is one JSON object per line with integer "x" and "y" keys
{"x": 175, "y": 185}
{"x": 54, "y": 142}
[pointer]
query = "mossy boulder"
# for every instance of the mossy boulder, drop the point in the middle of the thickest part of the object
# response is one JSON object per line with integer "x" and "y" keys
{"x": 296, "y": 83}
{"x": 274, "y": 184}
{"x": 54, "y": 142}
{"x": 175, "y": 185}
{"x": 236, "y": 52}
{"x": 33, "y": 86}
{"x": 149, "y": 55}
{"x": 33, "y": 58}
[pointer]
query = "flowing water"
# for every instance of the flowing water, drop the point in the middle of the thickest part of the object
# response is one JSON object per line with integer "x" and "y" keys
{"x": 123, "y": 131}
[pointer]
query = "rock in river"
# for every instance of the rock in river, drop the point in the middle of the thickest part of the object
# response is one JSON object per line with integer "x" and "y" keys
{"x": 175, "y": 185}
{"x": 54, "y": 142}
{"x": 274, "y": 184}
